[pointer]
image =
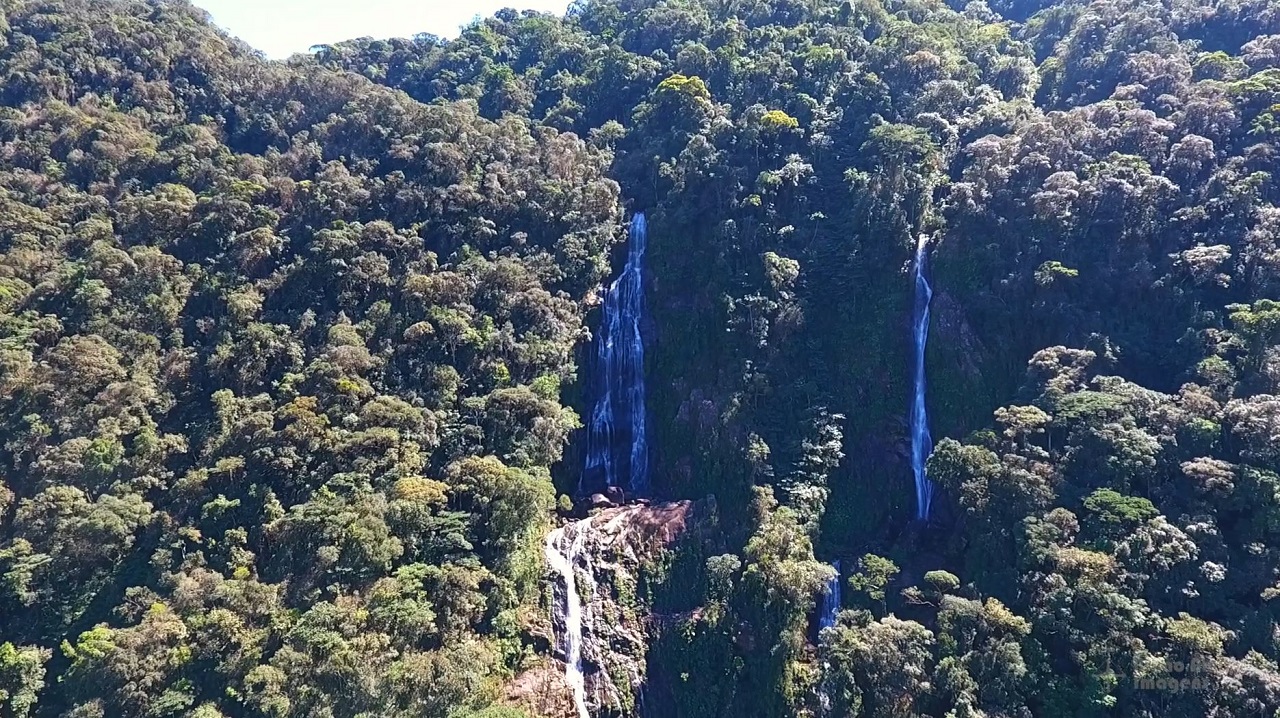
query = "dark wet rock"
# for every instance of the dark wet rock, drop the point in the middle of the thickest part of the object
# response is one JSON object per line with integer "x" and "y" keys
{"x": 616, "y": 495}
{"x": 615, "y": 545}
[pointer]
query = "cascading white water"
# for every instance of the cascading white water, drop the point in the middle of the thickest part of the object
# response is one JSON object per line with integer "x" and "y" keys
{"x": 617, "y": 449}
{"x": 827, "y": 613}
{"x": 830, "y": 600}
{"x": 618, "y": 419}
{"x": 921, "y": 441}
{"x": 563, "y": 551}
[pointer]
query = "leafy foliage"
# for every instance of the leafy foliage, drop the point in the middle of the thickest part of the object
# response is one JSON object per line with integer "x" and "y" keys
{"x": 282, "y": 352}
{"x": 288, "y": 352}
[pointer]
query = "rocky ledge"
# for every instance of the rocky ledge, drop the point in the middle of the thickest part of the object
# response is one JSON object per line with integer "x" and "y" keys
{"x": 611, "y": 552}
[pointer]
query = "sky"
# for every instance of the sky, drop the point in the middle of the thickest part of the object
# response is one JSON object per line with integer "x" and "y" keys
{"x": 282, "y": 27}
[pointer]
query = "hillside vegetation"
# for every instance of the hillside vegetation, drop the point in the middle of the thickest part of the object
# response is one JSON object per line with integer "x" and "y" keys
{"x": 292, "y": 354}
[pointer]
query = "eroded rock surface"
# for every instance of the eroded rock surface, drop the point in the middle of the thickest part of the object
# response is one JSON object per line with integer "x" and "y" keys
{"x": 608, "y": 552}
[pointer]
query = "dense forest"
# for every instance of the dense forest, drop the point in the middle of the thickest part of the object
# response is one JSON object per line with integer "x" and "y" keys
{"x": 294, "y": 355}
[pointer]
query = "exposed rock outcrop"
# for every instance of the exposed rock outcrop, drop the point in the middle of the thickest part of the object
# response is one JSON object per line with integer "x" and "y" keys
{"x": 608, "y": 552}
{"x": 953, "y": 325}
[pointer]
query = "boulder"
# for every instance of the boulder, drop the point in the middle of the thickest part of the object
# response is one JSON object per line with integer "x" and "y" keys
{"x": 616, "y": 495}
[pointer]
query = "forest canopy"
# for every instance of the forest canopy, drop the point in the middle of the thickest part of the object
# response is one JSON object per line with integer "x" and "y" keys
{"x": 292, "y": 354}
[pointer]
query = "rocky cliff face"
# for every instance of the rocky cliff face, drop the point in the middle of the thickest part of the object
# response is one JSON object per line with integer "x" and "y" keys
{"x": 599, "y": 646}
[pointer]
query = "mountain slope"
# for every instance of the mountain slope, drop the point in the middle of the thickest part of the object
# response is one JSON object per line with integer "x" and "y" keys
{"x": 282, "y": 352}
{"x": 289, "y": 355}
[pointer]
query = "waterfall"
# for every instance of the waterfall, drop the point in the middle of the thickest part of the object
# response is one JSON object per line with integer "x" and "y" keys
{"x": 563, "y": 551}
{"x": 830, "y": 600}
{"x": 617, "y": 447}
{"x": 600, "y": 636}
{"x": 617, "y": 454}
{"x": 921, "y": 441}
{"x": 827, "y": 613}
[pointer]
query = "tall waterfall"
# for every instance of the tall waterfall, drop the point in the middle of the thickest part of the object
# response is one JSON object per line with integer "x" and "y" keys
{"x": 830, "y": 600}
{"x": 617, "y": 447}
{"x": 921, "y": 441}
{"x": 563, "y": 552}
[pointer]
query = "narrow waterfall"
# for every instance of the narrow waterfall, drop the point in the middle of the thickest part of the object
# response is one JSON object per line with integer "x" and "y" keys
{"x": 827, "y": 612}
{"x": 601, "y": 633}
{"x": 617, "y": 447}
{"x": 563, "y": 552}
{"x": 830, "y": 600}
{"x": 921, "y": 441}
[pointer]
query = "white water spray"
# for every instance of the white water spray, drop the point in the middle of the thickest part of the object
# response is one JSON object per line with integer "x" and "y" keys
{"x": 562, "y": 553}
{"x": 617, "y": 445}
{"x": 921, "y": 441}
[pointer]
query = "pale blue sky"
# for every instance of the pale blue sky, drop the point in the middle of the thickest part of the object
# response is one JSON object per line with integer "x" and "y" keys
{"x": 283, "y": 27}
